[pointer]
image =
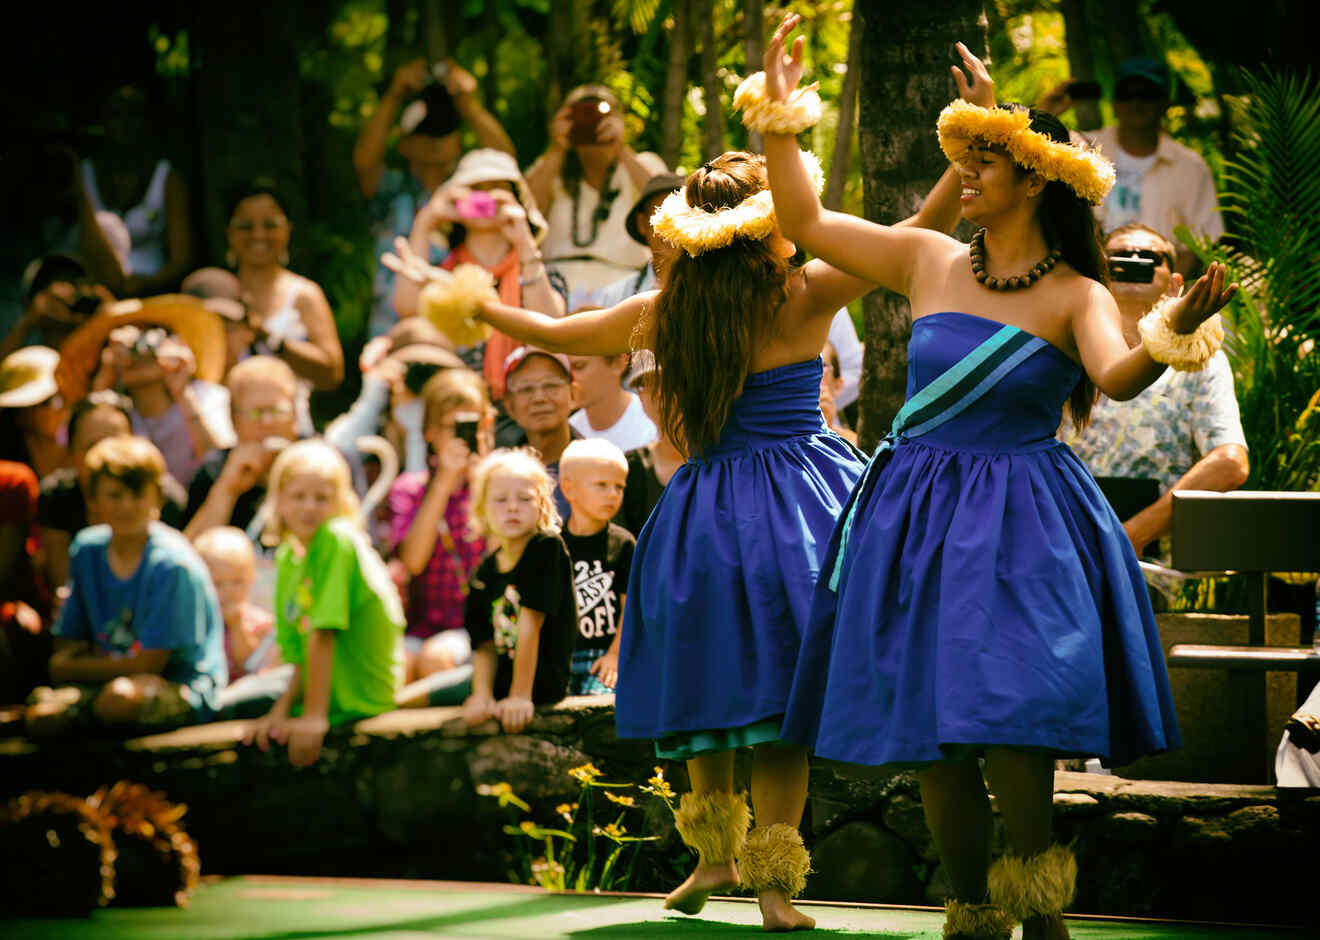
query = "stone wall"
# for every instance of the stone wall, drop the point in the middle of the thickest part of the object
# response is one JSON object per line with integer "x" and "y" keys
{"x": 397, "y": 796}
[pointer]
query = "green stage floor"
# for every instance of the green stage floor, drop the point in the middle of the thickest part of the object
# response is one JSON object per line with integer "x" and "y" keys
{"x": 258, "y": 908}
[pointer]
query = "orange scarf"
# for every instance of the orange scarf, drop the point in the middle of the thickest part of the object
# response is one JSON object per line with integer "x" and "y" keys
{"x": 507, "y": 273}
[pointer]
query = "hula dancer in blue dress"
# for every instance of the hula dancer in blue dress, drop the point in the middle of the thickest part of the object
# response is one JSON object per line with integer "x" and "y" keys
{"x": 725, "y": 568}
{"x": 979, "y": 597}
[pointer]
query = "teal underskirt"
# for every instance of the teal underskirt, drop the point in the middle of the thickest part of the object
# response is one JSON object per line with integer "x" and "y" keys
{"x": 685, "y": 745}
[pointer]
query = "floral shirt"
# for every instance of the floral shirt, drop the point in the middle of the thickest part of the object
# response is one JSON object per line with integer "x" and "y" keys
{"x": 1166, "y": 429}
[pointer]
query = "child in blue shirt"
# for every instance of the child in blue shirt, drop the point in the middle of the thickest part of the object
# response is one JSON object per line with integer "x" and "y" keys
{"x": 140, "y": 641}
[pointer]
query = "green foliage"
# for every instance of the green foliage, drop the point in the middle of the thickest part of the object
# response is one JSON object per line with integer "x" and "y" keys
{"x": 1271, "y": 191}
{"x": 579, "y": 853}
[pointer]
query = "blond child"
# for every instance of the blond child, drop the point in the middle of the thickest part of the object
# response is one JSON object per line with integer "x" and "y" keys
{"x": 338, "y": 617}
{"x": 520, "y": 607}
{"x": 232, "y": 561}
{"x": 139, "y": 642}
{"x": 593, "y": 475}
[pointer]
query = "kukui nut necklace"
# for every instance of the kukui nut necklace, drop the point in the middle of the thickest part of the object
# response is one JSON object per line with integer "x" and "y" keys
{"x": 976, "y": 252}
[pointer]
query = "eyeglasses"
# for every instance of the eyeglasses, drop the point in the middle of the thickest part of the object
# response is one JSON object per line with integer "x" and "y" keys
{"x": 247, "y": 226}
{"x": 267, "y": 413}
{"x": 553, "y": 387}
{"x": 1155, "y": 257}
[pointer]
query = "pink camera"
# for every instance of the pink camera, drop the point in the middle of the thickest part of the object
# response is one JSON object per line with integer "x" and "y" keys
{"x": 477, "y": 205}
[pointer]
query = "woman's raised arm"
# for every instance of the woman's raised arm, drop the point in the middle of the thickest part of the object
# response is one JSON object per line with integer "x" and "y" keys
{"x": 886, "y": 255}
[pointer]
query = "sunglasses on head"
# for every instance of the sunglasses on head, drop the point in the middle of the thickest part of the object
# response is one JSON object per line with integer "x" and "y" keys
{"x": 1154, "y": 257}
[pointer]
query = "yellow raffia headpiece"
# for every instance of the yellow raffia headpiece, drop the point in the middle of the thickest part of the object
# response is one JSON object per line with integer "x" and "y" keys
{"x": 695, "y": 230}
{"x": 1085, "y": 171}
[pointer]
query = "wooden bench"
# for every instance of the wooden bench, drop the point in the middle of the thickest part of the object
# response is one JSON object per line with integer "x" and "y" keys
{"x": 1253, "y": 533}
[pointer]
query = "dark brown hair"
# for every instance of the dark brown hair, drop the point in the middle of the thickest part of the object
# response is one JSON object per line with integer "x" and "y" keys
{"x": 1068, "y": 224}
{"x": 714, "y": 310}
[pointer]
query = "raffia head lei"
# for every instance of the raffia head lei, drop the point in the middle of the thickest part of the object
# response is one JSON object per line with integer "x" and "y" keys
{"x": 1085, "y": 171}
{"x": 695, "y": 230}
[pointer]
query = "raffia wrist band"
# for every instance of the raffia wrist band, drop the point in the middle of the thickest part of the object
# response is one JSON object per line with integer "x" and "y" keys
{"x": 800, "y": 110}
{"x": 1186, "y": 352}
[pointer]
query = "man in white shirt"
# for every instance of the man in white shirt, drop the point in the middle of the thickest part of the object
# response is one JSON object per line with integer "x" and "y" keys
{"x": 608, "y": 409}
{"x": 1161, "y": 183}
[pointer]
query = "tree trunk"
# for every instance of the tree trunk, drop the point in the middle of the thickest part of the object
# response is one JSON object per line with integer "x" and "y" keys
{"x": 905, "y": 81}
{"x": 247, "y": 108}
{"x": 438, "y": 41}
{"x": 1080, "y": 62}
{"x": 671, "y": 123}
{"x": 754, "y": 26}
{"x": 712, "y": 91}
{"x": 1122, "y": 26}
{"x": 847, "y": 111}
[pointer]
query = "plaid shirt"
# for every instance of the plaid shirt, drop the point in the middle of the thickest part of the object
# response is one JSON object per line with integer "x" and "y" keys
{"x": 435, "y": 598}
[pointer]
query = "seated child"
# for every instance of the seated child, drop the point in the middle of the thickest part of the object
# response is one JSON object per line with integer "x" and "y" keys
{"x": 520, "y": 604}
{"x": 139, "y": 642}
{"x": 338, "y": 616}
{"x": 249, "y": 630}
{"x": 429, "y": 528}
{"x": 593, "y": 474}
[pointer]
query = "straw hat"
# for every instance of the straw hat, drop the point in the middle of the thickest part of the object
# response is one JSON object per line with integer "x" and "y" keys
{"x": 27, "y": 377}
{"x": 185, "y": 316}
{"x": 496, "y": 166}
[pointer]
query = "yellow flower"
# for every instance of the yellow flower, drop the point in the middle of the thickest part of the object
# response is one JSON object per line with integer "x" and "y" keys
{"x": 659, "y": 785}
{"x": 528, "y": 827}
{"x": 621, "y": 800}
{"x": 496, "y": 789}
{"x": 566, "y": 810}
{"x": 584, "y": 774}
{"x": 613, "y": 830}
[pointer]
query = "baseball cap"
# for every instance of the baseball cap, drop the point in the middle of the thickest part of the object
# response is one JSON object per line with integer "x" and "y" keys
{"x": 522, "y": 353}
{"x": 1145, "y": 69}
{"x": 661, "y": 183}
{"x": 219, "y": 291}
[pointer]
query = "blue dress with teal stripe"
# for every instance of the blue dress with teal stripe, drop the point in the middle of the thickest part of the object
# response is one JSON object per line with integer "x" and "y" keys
{"x": 724, "y": 570}
{"x": 980, "y": 591}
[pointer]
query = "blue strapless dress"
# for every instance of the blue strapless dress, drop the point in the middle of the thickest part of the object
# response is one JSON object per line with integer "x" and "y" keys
{"x": 987, "y": 594}
{"x": 724, "y": 570}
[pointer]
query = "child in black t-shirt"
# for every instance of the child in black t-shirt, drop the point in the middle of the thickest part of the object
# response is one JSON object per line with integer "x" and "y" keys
{"x": 592, "y": 475}
{"x": 520, "y": 607}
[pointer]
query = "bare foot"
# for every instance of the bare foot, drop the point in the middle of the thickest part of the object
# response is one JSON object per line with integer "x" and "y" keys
{"x": 1045, "y": 928}
{"x": 779, "y": 914}
{"x": 690, "y": 897}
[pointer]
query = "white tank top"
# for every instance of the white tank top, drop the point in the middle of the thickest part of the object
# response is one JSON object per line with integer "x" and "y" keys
{"x": 145, "y": 221}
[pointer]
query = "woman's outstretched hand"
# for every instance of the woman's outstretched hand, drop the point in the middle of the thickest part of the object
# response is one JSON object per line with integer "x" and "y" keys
{"x": 1205, "y": 298}
{"x": 405, "y": 262}
{"x": 782, "y": 72}
{"x": 975, "y": 86}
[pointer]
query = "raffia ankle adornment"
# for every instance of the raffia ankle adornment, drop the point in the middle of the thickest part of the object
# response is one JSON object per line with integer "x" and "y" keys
{"x": 713, "y": 824}
{"x": 1186, "y": 352}
{"x": 1039, "y": 886}
{"x": 774, "y": 858}
{"x": 977, "y": 921}
{"x": 800, "y": 110}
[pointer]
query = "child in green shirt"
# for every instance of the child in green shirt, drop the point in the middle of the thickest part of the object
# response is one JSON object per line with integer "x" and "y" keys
{"x": 338, "y": 617}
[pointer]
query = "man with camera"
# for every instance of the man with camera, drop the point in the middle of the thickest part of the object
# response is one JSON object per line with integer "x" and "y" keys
{"x": 1160, "y": 182}
{"x": 439, "y": 99}
{"x": 1184, "y": 432}
{"x": 58, "y": 297}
